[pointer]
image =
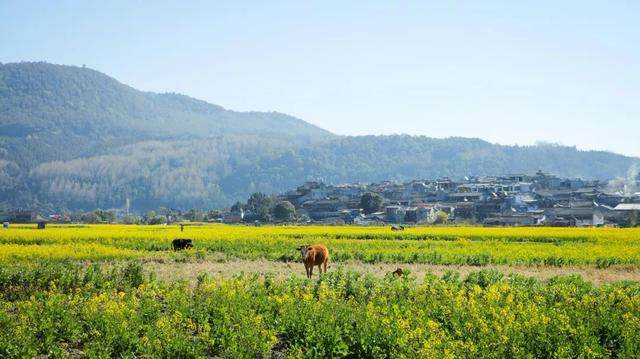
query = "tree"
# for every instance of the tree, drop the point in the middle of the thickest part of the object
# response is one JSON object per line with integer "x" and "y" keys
{"x": 98, "y": 216}
{"x": 130, "y": 219}
{"x": 153, "y": 218}
{"x": 150, "y": 214}
{"x": 260, "y": 205}
{"x": 195, "y": 215}
{"x": 283, "y": 211}
{"x": 157, "y": 219}
{"x": 371, "y": 202}
{"x": 237, "y": 207}
{"x": 441, "y": 217}
{"x": 105, "y": 216}
{"x": 90, "y": 217}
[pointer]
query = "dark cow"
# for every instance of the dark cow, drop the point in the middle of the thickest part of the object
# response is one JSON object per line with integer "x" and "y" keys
{"x": 182, "y": 243}
{"x": 398, "y": 272}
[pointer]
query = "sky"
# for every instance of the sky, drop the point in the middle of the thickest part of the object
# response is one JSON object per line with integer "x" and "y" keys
{"x": 509, "y": 72}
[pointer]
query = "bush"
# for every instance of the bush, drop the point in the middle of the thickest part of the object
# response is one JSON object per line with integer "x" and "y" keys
{"x": 441, "y": 218}
{"x": 484, "y": 278}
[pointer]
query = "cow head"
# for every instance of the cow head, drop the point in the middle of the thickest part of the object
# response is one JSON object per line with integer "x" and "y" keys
{"x": 304, "y": 249}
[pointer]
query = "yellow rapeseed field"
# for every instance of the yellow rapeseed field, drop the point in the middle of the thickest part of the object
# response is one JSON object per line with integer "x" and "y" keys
{"x": 437, "y": 245}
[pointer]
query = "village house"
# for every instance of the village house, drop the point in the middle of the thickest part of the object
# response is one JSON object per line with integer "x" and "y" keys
{"x": 631, "y": 213}
{"x": 21, "y": 216}
{"x": 233, "y": 216}
{"x": 511, "y": 200}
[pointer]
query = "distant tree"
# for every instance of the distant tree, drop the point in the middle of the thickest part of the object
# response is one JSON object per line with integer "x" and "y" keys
{"x": 371, "y": 202}
{"x": 260, "y": 205}
{"x": 237, "y": 207}
{"x": 89, "y": 217}
{"x": 130, "y": 219}
{"x": 76, "y": 216}
{"x": 157, "y": 219}
{"x": 284, "y": 211}
{"x": 195, "y": 215}
{"x": 105, "y": 216}
{"x": 441, "y": 217}
{"x": 153, "y": 218}
{"x": 150, "y": 214}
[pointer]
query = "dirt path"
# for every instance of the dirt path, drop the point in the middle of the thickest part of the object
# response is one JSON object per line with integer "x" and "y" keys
{"x": 171, "y": 271}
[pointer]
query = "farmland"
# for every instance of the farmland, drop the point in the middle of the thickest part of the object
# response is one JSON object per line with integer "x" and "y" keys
{"x": 117, "y": 290}
{"x": 601, "y": 247}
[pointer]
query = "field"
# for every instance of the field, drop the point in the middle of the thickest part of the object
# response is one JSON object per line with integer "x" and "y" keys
{"x": 116, "y": 290}
{"x": 601, "y": 247}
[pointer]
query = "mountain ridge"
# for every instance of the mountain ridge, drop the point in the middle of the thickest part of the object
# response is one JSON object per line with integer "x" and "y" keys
{"x": 73, "y": 137}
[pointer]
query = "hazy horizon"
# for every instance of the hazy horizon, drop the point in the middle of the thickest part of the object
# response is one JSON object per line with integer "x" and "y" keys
{"x": 506, "y": 73}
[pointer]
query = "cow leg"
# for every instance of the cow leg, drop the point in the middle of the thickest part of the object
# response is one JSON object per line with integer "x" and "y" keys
{"x": 310, "y": 271}
{"x": 306, "y": 269}
{"x": 319, "y": 269}
{"x": 325, "y": 266}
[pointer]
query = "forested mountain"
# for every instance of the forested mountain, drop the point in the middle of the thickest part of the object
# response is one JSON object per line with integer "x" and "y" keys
{"x": 75, "y": 138}
{"x": 59, "y": 113}
{"x": 50, "y": 112}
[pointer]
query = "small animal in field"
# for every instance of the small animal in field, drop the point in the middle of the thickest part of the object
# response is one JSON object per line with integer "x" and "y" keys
{"x": 397, "y": 228}
{"x": 397, "y": 273}
{"x": 181, "y": 243}
{"x": 314, "y": 255}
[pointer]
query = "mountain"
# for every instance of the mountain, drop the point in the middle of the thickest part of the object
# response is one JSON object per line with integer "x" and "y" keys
{"x": 72, "y": 138}
{"x": 50, "y": 112}
{"x": 60, "y": 113}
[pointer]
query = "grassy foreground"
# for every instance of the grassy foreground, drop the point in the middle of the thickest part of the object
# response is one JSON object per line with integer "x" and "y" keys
{"x": 59, "y": 309}
{"x": 600, "y": 247}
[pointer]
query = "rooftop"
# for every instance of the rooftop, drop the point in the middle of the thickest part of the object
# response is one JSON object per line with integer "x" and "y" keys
{"x": 628, "y": 207}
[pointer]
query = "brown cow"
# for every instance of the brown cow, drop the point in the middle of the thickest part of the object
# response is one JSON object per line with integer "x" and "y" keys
{"x": 398, "y": 272}
{"x": 314, "y": 255}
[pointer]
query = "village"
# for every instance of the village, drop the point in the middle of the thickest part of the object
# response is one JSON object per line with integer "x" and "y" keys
{"x": 540, "y": 199}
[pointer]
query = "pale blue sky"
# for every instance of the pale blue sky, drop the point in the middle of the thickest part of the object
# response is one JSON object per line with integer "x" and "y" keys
{"x": 505, "y": 71}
